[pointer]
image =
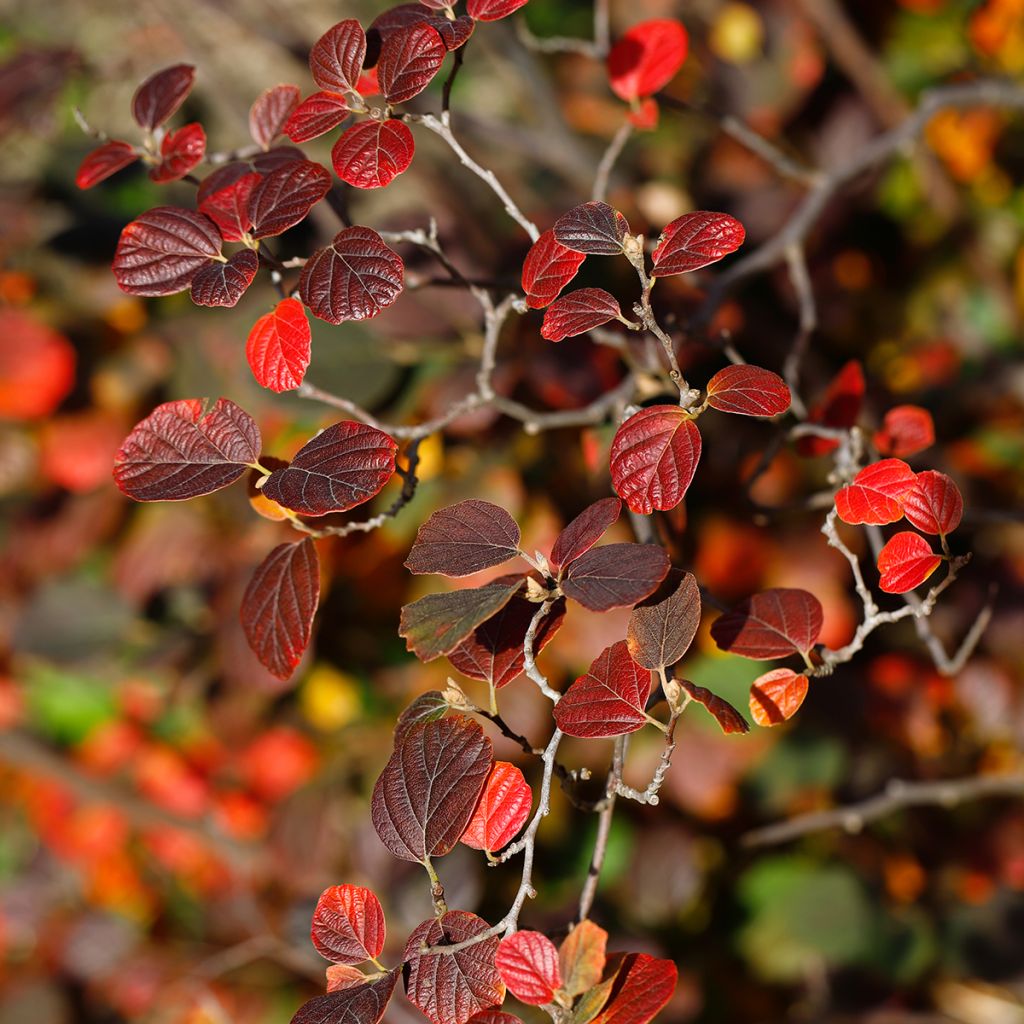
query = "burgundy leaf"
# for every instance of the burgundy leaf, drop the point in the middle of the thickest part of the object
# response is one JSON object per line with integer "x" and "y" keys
{"x": 354, "y": 278}
{"x": 584, "y": 531}
{"x": 934, "y": 504}
{"x": 501, "y": 811}
{"x": 279, "y": 605}
{"x": 372, "y": 154}
{"x": 424, "y": 798}
{"x": 161, "y": 94}
{"x": 358, "y": 1004}
{"x": 549, "y": 266}
{"x": 223, "y": 283}
{"x": 348, "y": 925}
{"x": 593, "y": 228}
{"x": 427, "y": 707}
{"x": 494, "y": 1017}
{"x": 728, "y": 718}
{"x": 278, "y": 346}
{"x": 220, "y": 178}
{"x": 492, "y": 10}
{"x": 464, "y": 538}
{"x": 748, "y": 391}
{"x": 660, "y": 631}
{"x": 104, "y": 161}
{"x": 453, "y": 33}
{"x": 615, "y": 575}
{"x": 336, "y": 59}
{"x": 228, "y": 207}
{"x": 409, "y": 59}
{"x": 276, "y": 158}
{"x": 694, "y": 241}
{"x": 528, "y": 964}
{"x": 772, "y": 624}
{"x": 643, "y": 985}
{"x": 578, "y": 312}
{"x": 284, "y": 197}
{"x": 270, "y": 112}
{"x": 316, "y": 115}
{"x": 342, "y": 467}
{"x": 183, "y": 451}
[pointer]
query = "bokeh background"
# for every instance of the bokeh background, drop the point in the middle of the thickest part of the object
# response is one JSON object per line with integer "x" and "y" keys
{"x": 169, "y": 811}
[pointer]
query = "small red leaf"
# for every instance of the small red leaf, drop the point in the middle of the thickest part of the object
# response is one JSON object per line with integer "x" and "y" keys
{"x": 336, "y": 59}
{"x": 372, "y": 154}
{"x": 409, "y": 59}
{"x": 609, "y": 700}
{"x": 838, "y": 408}
{"x": 578, "y": 312}
{"x": 581, "y": 958}
{"x": 342, "y": 976}
{"x": 161, "y": 94}
{"x": 284, "y": 197}
{"x": 278, "y": 346}
{"x": 906, "y": 430}
{"x": 223, "y": 283}
{"x": 104, "y": 161}
{"x": 270, "y": 112}
{"x": 183, "y": 451}
{"x": 696, "y": 240}
{"x": 660, "y": 632}
{"x": 354, "y": 278}
{"x": 653, "y": 458}
{"x": 646, "y": 58}
{"x": 592, "y": 228}
{"x": 727, "y": 717}
{"x": 615, "y": 575}
{"x": 643, "y": 985}
{"x": 228, "y": 207}
{"x": 316, "y": 115}
{"x": 342, "y": 467}
{"x": 353, "y": 1004}
{"x": 502, "y": 810}
{"x": 279, "y": 605}
{"x": 777, "y": 695}
{"x": 549, "y": 266}
{"x": 492, "y": 10}
{"x": 771, "y": 624}
{"x": 464, "y": 538}
{"x": 180, "y": 151}
{"x": 876, "y": 495}
{"x": 748, "y": 391}
{"x": 934, "y": 504}
{"x": 584, "y": 531}
{"x": 348, "y": 925}
{"x": 905, "y": 562}
{"x": 528, "y": 964}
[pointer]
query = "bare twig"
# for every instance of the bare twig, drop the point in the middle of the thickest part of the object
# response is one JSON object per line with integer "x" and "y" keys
{"x": 604, "y": 827}
{"x": 611, "y": 154}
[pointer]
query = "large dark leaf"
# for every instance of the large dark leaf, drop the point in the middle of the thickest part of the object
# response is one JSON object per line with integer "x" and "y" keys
{"x": 359, "y": 1004}
{"x": 284, "y": 197}
{"x": 409, "y": 59}
{"x": 464, "y": 538}
{"x": 661, "y": 631}
{"x": 336, "y": 59}
{"x": 593, "y": 228}
{"x": 772, "y": 624}
{"x": 584, "y": 531}
{"x": 161, "y": 94}
{"x": 424, "y": 798}
{"x": 615, "y": 575}
{"x": 224, "y": 283}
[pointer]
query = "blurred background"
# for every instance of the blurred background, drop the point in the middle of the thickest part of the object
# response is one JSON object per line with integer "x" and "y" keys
{"x": 169, "y": 811}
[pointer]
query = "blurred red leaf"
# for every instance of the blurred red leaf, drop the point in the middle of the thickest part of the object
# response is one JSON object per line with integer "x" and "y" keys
{"x": 357, "y": 1004}
{"x": 316, "y": 115}
{"x": 37, "y": 366}
{"x": 646, "y": 58}
{"x": 660, "y": 633}
{"x": 777, "y": 695}
{"x": 838, "y": 408}
{"x": 934, "y": 504}
{"x": 336, "y": 59}
{"x": 609, "y": 700}
{"x": 549, "y": 266}
{"x": 222, "y": 283}
{"x": 285, "y": 196}
{"x": 584, "y": 531}
{"x": 905, "y": 562}
{"x": 270, "y": 112}
{"x": 772, "y": 624}
{"x": 876, "y": 495}
{"x": 501, "y": 811}
{"x": 578, "y": 312}
{"x": 748, "y": 391}
{"x": 727, "y": 717}
{"x": 615, "y": 575}
{"x": 372, "y": 153}
{"x": 278, "y": 346}
{"x": 696, "y": 240}
{"x": 348, "y": 925}
{"x": 906, "y": 430}
{"x": 161, "y": 94}
{"x": 104, "y": 161}
{"x": 409, "y": 59}
{"x": 643, "y": 985}
{"x": 592, "y": 228}
{"x": 180, "y": 151}
{"x": 464, "y": 538}
{"x": 528, "y": 964}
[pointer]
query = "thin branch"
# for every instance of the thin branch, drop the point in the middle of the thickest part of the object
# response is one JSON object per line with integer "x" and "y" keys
{"x": 611, "y": 154}
{"x": 604, "y": 827}
{"x": 801, "y": 278}
{"x": 529, "y": 664}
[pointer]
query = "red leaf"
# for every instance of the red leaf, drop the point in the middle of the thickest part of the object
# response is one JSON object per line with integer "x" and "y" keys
{"x": 225, "y": 175}
{"x": 876, "y": 494}
{"x": 646, "y": 58}
{"x": 270, "y": 112}
{"x": 284, "y": 197}
{"x": 502, "y": 810}
{"x": 581, "y": 958}
{"x": 593, "y": 228}
{"x": 37, "y": 366}
{"x": 279, "y": 605}
{"x": 342, "y": 976}
{"x": 696, "y": 240}
{"x": 348, "y": 925}
{"x": 905, "y": 562}
{"x": 453, "y": 33}
{"x": 161, "y": 94}
{"x": 492, "y": 10}
{"x": 104, "y": 161}
{"x": 906, "y": 430}
{"x": 727, "y": 717}
{"x": 342, "y": 467}
{"x": 609, "y": 700}
{"x": 838, "y": 408}
{"x": 494, "y": 1017}
{"x": 578, "y": 312}
{"x": 160, "y": 252}
{"x": 494, "y": 651}
{"x": 934, "y": 504}
{"x": 424, "y": 798}
{"x": 615, "y": 575}
{"x": 228, "y": 207}
{"x": 224, "y": 283}
{"x": 653, "y": 458}
{"x": 643, "y": 985}
{"x": 180, "y": 151}
{"x": 748, "y": 391}
{"x": 772, "y": 624}
{"x": 182, "y": 451}
{"x": 278, "y": 346}
{"x": 464, "y": 538}
{"x": 660, "y": 632}
{"x": 316, "y": 115}
{"x": 336, "y": 59}
{"x": 358, "y": 1004}
{"x": 584, "y": 531}
{"x": 777, "y": 695}
{"x": 409, "y": 59}
{"x": 354, "y": 278}
{"x": 450, "y": 988}
{"x": 372, "y": 154}
{"x": 528, "y": 964}
{"x": 549, "y": 266}
{"x": 276, "y": 158}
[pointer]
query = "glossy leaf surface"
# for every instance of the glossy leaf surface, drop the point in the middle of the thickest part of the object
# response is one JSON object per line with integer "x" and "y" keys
{"x": 371, "y": 154}
{"x": 876, "y": 495}
{"x": 492, "y": 10}
{"x": 502, "y": 810}
{"x": 608, "y": 700}
{"x": 336, "y": 59}
{"x": 161, "y": 94}
{"x": 748, "y": 391}
{"x": 592, "y": 228}
{"x": 934, "y": 504}
{"x": 270, "y": 112}
{"x": 427, "y": 707}
{"x": 104, "y": 161}
{"x": 696, "y": 240}
{"x": 180, "y": 151}
{"x": 549, "y": 266}
{"x": 643, "y": 985}
{"x": 223, "y": 283}
{"x": 409, "y": 60}
{"x": 316, "y": 115}
{"x": 284, "y": 197}
{"x": 228, "y": 207}
{"x": 356, "y": 1004}
{"x": 578, "y": 312}
{"x": 905, "y": 562}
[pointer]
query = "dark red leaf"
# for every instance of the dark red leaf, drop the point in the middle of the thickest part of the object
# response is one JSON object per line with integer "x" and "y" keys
{"x": 427, "y": 707}
{"x": 528, "y": 964}
{"x": 748, "y": 391}
{"x": 615, "y": 575}
{"x": 354, "y": 278}
{"x": 372, "y": 154}
{"x": 358, "y": 1004}
{"x": 279, "y": 605}
{"x": 104, "y": 161}
{"x": 270, "y": 112}
{"x": 549, "y": 266}
{"x": 876, "y": 495}
{"x": 653, "y": 458}
{"x": 316, "y": 115}
{"x": 424, "y": 798}
{"x": 492, "y": 10}
{"x": 336, "y": 59}
{"x": 838, "y": 408}
{"x": 777, "y": 695}
{"x": 593, "y": 228}
{"x": 278, "y": 346}
{"x": 494, "y": 1017}
{"x": 647, "y": 58}
{"x": 501, "y": 811}
{"x": 342, "y": 467}
{"x": 643, "y": 985}
{"x": 934, "y": 504}
{"x": 906, "y": 430}
{"x": 276, "y": 158}
{"x": 660, "y": 631}
{"x": 609, "y": 700}
{"x": 584, "y": 531}
{"x": 450, "y": 988}
{"x": 453, "y": 33}
{"x": 348, "y": 925}
{"x": 161, "y": 94}
{"x": 284, "y": 197}
{"x": 581, "y": 958}
{"x": 180, "y": 151}
{"x": 772, "y": 624}
{"x": 578, "y": 312}
{"x": 181, "y": 451}
{"x": 225, "y": 175}
{"x": 222, "y": 283}
{"x": 728, "y": 718}
{"x": 696, "y": 240}
{"x": 409, "y": 59}
{"x": 464, "y": 538}
{"x": 905, "y": 562}
{"x": 160, "y": 252}
{"x": 228, "y": 207}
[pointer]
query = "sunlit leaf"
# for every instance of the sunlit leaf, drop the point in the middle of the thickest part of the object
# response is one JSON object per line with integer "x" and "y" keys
{"x": 528, "y": 964}
{"x": 584, "y": 531}
{"x": 104, "y": 161}
{"x": 427, "y": 707}
{"x": 771, "y": 624}
{"x": 549, "y": 266}
{"x": 228, "y": 207}
{"x": 748, "y": 391}
{"x": 934, "y": 504}
{"x": 660, "y": 631}
{"x": 371, "y": 154}
{"x": 578, "y": 312}
{"x": 492, "y": 10}
{"x": 906, "y": 430}
{"x": 647, "y": 58}
{"x": 876, "y": 494}
{"x": 278, "y": 346}
{"x": 502, "y": 810}
{"x": 905, "y": 562}
{"x": 180, "y": 152}
{"x": 581, "y": 957}
{"x": 316, "y": 115}
{"x": 777, "y": 695}
{"x": 643, "y": 985}
{"x": 409, "y": 59}
{"x": 348, "y": 925}
{"x": 728, "y": 718}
